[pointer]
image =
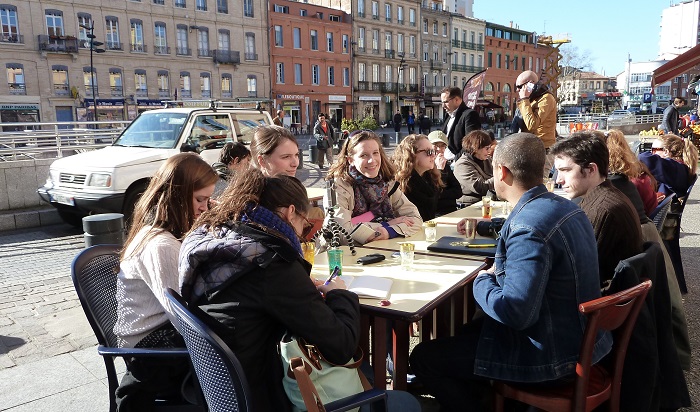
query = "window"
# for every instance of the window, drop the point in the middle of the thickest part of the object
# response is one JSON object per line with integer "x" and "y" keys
{"x": 203, "y": 42}
{"x": 361, "y": 38}
{"x": 435, "y": 28}
{"x": 361, "y": 72}
{"x": 163, "y": 83}
{"x": 200, "y": 5}
{"x": 329, "y": 42}
{"x": 399, "y": 43}
{"x": 278, "y": 36}
{"x": 303, "y": 13}
{"x": 250, "y": 52}
{"x": 498, "y": 60}
{"x": 297, "y": 73}
{"x": 180, "y": 3}
{"x": 411, "y": 75}
{"x": 224, "y": 40}
{"x": 425, "y": 52}
{"x": 84, "y": 20}
{"x": 387, "y": 12}
{"x": 375, "y": 73}
{"x": 182, "y": 44}
{"x": 507, "y": 61}
{"x": 226, "y": 85}
{"x": 375, "y": 10}
{"x": 471, "y": 59}
{"x": 515, "y": 62}
{"x": 399, "y": 14}
{"x": 222, "y": 6}
{"x": 87, "y": 80}
{"x": 159, "y": 2}
{"x": 412, "y": 17}
{"x": 490, "y": 60}
{"x": 15, "y": 78}
{"x": 345, "y": 44}
{"x": 185, "y": 84}
{"x": 10, "y": 28}
{"x": 315, "y": 74}
{"x": 248, "y": 8}
{"x": 331, "y": 76}
{"x": 425, "y": 26}
{"x": 375, "y": 41}
{"x": 160, "y": 43}
{"x": 481, "y": 38}
{"x": 387, "y": 73}
{"x": 314, "y": 40}
{"x": 115, "y": 82}
{"x": 112, "y": 34}
{"x": 281, "y": 9}
{"x": 59, "y": 76}
{"x": 140, "y": 83}
{"x": 252, "y": 82}
{"x": 54, "y": 23}
{"x": 444, "y": 29}
{"x": 334, "y": 17}
{"x": 296, "y": 34}
{"x": 387, "y": 41}
{"x": 346, "y": 76}
{"x": 136, "y": 34}
{"x": 361, "y": 8}
{"x": 205, "y": 84}
{"x": 412, "y": 45}
{"x": 279, "y": 73}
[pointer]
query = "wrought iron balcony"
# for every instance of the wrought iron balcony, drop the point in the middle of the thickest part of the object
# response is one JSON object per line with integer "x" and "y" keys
{"x": 17, "y": 88}
{"x": 361, "y": 49}
{"x": 12, "y": 38}
{"x": 389, "y": 54}
{"x": 161, "y": 49}
{"x": 185, "y": 93}
{"x": 183, "y": 51}
{"x": 226, "y": 56}
{"x": 61, "y": 90}
{"x": 466, "y": 68}
{"x": 388, "y": 87}
{"x": 113, "y": 45}
{"x": 435, "y": 65}
{"x": 138, "y": 47}
{"x": 206, "y": 93}
{"x": 163, "y": 93}
{"x": 251, "y": 56}
{"x": 58, "y": 44}
{"x": 204, "y": 53}
{"x": 117, "y": 90}
{"x": 360, "y": 14}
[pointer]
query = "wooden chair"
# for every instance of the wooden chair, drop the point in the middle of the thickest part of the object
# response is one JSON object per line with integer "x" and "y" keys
{"x": 593, "y": 384}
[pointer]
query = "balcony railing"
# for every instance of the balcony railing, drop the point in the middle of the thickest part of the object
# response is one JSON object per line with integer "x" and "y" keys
{"x": 12, "y": 38}
{"x": 61, "y": 90}
{"x": 388, "y": 87}
{"x": 360, "y": 14}
{"x": 163, "y": 93}
{"x": 466, "y": 68}
{"x": 204, "y": 53}
{"x": 161, "y": 49}
{"x": 17, "y": 88}
{"x": 206, "y": 93}
{"x": 435, "y": 65}
{"x": 389, "y": 54}
{"x": 368, "y": 86}
{"x": 226, "y": 56}
{"x": 138, "y": 47}
{"x": 375, "y": 17}
{"x": 412, "y": 23}
{"x": 113, "y": 45}
{"x": 400, "y": 21}
{"x": 432, "y": 89}
{"x": 387, "y": 19}
{"x": 183, "y": 51}
{"x": 252, "y": 93}
{"x": 58, "y": 44}
{"x": 251, "y": 56}
{"x": 141, "y": 93}
{"x": 361, "y": 49}
{"x": 375, "y": 51}
{"x": 117, "y": 90}
{"x": 186, "y": 93}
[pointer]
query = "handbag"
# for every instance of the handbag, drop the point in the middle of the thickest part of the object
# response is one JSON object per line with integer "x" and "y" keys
{"x": 310, "y": 379}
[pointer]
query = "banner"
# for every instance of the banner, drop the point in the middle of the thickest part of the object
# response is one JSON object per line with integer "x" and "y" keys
{"x": 473, "y": 88}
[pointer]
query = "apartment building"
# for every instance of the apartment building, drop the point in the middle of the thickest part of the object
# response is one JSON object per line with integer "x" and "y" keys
{"x": 508, "y": 52}
{"x": 435, "y": 62}
{"x": 310, "y": 51}
{"x": 467, "y": 48}
{"x": 144, "y": 52}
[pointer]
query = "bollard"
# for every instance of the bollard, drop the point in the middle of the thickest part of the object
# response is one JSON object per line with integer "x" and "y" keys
{"x": 385, "y": 140}
{"x": 313, "y": 154}
{"x": 396, "y": 138}
{"x": 104, "y": 229}
{"x": 301, "y": 159}
{"x": 501, "y": 133}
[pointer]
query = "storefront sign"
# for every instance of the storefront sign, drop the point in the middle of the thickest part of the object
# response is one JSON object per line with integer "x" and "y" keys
{"x": 334, "y": 98}
{"x": 370, "y": 98}
{"x": 149, "y": 103}
{"x": 19, "y": 107}
{"x": 290, "y": 96}
{"x": 104, "y": 102}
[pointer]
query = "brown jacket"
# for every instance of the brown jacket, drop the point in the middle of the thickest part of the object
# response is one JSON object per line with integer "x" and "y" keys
{"x": 540, "y": 117}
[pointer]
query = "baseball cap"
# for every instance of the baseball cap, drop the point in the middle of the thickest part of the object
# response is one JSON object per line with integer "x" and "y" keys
{"x": 437, "y": 136}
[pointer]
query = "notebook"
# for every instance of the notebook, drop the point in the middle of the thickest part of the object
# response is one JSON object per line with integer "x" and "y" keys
{"x": 453, "y": 244}
{"x": 372, "y": 287}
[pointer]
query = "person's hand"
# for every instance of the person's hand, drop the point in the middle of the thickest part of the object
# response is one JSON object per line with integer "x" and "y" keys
{"x": 440, "y": 161}
{"x": 336, "y": 283}
{"x": 660, "y": 197}
{"x": 401, "y": 219}
{"x": 524, "y": 92}
{"x": 379, "y": 234}
{"x": 461, "y": 227}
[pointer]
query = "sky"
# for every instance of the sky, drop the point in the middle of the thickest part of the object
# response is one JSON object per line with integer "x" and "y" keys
{"x": 609, "y": 30}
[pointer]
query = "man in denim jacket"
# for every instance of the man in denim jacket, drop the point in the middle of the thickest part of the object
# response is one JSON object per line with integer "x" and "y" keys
{"x": 545, "y": 266}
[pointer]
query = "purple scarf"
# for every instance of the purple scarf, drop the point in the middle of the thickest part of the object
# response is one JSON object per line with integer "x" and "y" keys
{"x": 371, "y": 195}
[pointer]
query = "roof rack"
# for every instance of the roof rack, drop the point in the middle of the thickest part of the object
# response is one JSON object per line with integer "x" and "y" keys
{"x": 213, "y": 104}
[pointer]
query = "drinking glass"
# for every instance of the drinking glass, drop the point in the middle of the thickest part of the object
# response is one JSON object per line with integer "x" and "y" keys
{"x": 407, "y": 250}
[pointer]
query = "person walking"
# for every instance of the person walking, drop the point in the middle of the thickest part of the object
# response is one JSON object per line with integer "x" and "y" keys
{"x": 411, "y": 122}
{"x": 460, "y": 122}
{"x": 669, "y": 124}
{"x": 323, "y": 132}
{"x": 398, "y": 119}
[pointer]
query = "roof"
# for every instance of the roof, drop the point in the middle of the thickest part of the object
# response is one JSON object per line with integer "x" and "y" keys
{"x": 677, "y": 66}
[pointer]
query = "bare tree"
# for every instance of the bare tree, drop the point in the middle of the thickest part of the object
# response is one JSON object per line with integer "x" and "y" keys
{"x": 573, "y": 62}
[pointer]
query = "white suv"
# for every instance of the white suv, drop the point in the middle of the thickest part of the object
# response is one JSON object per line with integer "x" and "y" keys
{"x": 111, "y": 179}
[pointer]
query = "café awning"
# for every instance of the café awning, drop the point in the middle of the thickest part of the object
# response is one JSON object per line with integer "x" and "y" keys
{"x": 676, "y": 67}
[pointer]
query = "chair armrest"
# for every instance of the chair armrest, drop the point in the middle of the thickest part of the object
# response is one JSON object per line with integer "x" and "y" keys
{"x": 154, "y": 352}
{"x": 357, "y": 400}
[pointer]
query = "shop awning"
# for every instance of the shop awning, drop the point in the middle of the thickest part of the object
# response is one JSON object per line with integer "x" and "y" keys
{"x": 677, "y": 66}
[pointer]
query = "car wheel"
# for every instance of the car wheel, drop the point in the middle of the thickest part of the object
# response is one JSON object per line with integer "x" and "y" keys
{"x": 132, "y": 196}
{"x": 73, "y": 219}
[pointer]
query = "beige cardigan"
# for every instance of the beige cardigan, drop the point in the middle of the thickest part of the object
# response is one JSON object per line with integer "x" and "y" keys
{"x": 401, "y": 206}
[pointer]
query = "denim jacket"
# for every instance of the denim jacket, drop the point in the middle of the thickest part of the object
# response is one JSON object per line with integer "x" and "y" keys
{"x": 546, "y": 265}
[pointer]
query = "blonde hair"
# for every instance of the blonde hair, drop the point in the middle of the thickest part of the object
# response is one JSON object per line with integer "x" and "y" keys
{"x": 405, "y": 160}
{"x": 622, "y": 160}
{"x": 690, "y": 156}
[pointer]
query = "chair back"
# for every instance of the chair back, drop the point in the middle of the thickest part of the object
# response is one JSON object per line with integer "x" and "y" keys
{"x": 658, "y": 215}
{"x": 94, "y": 273}
{"x": 616, "y": 313}
{"x": 220, "y": 374}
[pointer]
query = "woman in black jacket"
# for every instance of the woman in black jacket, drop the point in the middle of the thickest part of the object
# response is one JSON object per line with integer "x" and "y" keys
{"x": 417, "y": 175}
{"x": 244, "y": 267}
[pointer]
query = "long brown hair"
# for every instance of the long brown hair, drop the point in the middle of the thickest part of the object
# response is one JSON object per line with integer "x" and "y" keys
{"x": 254, "y": 188}
{"x": 339, "y": 170}
{"x": 167, "y": 202}
{"x": 405, "y": 160}
{"x": 622, "y": 160}
{"x": 266, "y": 139}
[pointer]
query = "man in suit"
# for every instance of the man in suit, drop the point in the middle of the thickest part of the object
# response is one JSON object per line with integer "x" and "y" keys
{"x": 460, "y": 122}
{"x": 670, "y": 120}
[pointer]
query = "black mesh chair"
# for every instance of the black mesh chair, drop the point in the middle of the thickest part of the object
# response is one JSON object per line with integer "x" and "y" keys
{"x": 221, "y": 375}
{"x": 658, "y": 215}
{"x": 94, "y": 273}
{"x": 673, "y": 244}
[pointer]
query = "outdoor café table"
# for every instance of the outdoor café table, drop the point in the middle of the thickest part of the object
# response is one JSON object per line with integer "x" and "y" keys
{"x": 415, "y": 293}
{"x": 315, "y": 194}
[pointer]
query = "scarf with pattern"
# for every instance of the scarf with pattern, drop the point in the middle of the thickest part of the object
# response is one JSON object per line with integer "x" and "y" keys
{"x": 269, "y": 220}
{"x": 371, "y": 194}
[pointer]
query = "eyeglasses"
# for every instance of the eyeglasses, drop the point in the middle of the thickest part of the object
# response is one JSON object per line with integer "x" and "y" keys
{"x": 307, "y": 227}
{"x": 429, "y": 152}
{"x": 448, "y": 100}
{"x": 657, "y": 149}
{"x": 520, "y": 86}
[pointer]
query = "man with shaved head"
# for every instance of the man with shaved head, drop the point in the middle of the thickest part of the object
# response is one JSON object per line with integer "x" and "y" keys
{"x": 538, "y": 108}
{"x": 531, "y": 328}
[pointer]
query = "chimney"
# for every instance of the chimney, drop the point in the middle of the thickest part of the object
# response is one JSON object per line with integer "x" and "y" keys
{"x": 511, "y": 24}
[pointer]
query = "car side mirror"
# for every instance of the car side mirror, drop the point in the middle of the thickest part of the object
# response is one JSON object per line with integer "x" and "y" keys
{"x": 188, "y": 147}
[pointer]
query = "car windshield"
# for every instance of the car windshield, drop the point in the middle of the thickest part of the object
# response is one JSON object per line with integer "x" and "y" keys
{"x": 153, "y": 129}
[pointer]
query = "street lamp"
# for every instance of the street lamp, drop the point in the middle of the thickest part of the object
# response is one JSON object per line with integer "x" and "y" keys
{"x": 402, "y": 66}
{"x": 93, "y": 49}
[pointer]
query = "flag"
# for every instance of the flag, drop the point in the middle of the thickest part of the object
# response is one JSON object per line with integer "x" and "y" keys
{"x": 472, "y": 89}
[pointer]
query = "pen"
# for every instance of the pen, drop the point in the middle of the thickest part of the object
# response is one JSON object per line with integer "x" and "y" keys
{"x": 335, "y": 273}
{"x": 481, "y": 246}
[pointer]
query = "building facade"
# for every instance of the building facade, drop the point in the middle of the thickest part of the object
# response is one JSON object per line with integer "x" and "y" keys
{"x": 467, "y": 48}
{"x": 436, "y": 69}
{"x": 144, "y": 52}
{"x": 679, "y": 29}
{"x": 635, "y": 85}
{"x": 310, "y": 54}
{"x": 508, "y": 52}
{"x": 590, "y": 92}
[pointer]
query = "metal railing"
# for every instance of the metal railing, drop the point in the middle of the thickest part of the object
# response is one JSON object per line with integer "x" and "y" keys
{"x": 55, "y": 139}
{"x": 604, "y": 122}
